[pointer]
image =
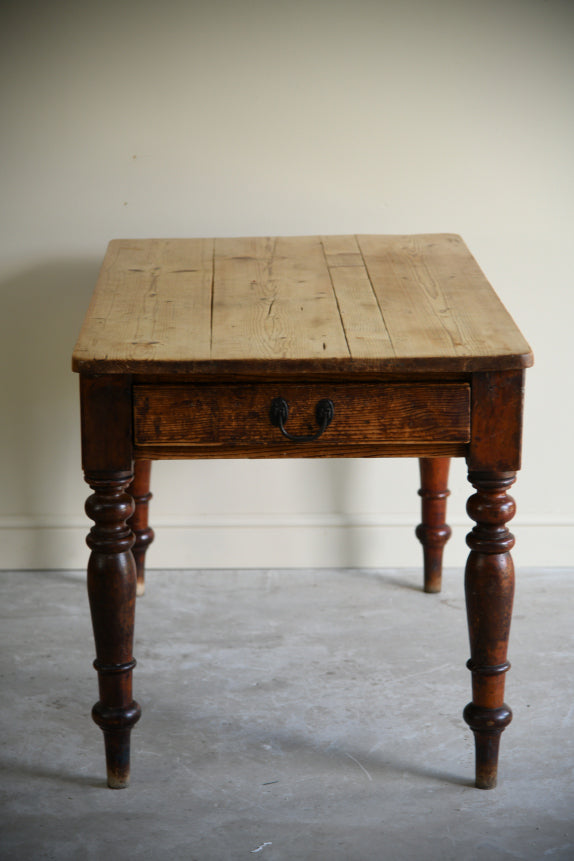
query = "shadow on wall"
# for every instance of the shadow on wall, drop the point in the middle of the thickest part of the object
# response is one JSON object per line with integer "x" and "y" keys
{"x": 42, "y": 311}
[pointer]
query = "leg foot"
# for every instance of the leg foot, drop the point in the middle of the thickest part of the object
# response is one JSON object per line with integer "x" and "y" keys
{"x": 433, "y": 532}
{"x": 138, "y": 522}
{"x": 112, "y": 593}
{"x": 117, "y": 741}
{"x": 489, "y": 586}
{"x": 118, "y": 759}
{"x": 487, "y": 726}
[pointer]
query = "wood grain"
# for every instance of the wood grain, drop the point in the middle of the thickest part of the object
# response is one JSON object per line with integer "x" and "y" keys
{"x": 366, "y": 414}
{"x": 433, "y": 532}
{"x": 187, "y": 342}
{"x": 436, "y": 301}
{"x": 346, "y": 304}
{"x": 319, "y": 449}
{"x": 489, "y": 590}
{"x": 273, "y": 299}
{"x": 152, "y": 302}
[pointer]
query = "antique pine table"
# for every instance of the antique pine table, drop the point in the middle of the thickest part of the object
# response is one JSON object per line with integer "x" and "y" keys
{"x": 366, "y": 346}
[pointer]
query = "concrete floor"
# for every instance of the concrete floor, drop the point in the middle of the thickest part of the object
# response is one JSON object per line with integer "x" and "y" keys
{"x": 286, "y": 715}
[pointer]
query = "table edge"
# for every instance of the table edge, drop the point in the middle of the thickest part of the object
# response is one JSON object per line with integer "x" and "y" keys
{"x": 307, "y": 367}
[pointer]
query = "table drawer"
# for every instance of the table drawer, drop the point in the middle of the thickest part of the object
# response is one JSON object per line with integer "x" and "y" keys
{"x": 363, "y": 414}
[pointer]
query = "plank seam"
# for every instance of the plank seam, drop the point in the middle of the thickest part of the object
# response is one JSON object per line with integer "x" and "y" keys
{"x": 212, "y": 302}
{"x": 336, "y": 299}
{"x": 366, "y": 268}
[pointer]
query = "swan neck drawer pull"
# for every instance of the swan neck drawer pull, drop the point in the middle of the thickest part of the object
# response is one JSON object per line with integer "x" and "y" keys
{"x": 279, "y": 413}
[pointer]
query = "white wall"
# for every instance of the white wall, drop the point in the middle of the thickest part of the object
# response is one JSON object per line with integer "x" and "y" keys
{"x": 232, "y": 117}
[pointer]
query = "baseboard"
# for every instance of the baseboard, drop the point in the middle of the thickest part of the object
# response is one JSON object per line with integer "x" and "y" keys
{"x": 275, "y": 541}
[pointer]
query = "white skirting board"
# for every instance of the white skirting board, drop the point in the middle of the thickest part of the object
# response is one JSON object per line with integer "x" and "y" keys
{"x": 275, "y": 541}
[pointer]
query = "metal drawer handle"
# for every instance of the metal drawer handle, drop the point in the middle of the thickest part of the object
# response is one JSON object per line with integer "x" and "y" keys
{"x": 279, "y": 413}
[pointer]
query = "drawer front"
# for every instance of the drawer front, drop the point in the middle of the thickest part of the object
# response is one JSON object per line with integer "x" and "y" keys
{"x": 363, "y": 414}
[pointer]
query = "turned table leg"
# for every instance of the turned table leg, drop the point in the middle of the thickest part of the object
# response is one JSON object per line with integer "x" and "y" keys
{"x": 433, "y": 532}
{"x": 489, "y": 586}
{"x": 138, "y": 522}
{"x": 112, "y": 594}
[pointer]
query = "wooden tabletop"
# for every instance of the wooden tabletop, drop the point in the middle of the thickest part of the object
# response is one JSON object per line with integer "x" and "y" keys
{"x": 371, "y": 304}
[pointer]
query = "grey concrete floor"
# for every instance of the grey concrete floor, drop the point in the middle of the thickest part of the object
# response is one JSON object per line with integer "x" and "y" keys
{"x": 286, "y": 715}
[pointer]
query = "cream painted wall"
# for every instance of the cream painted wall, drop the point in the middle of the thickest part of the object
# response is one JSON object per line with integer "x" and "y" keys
{"x": 270, "y": 117}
